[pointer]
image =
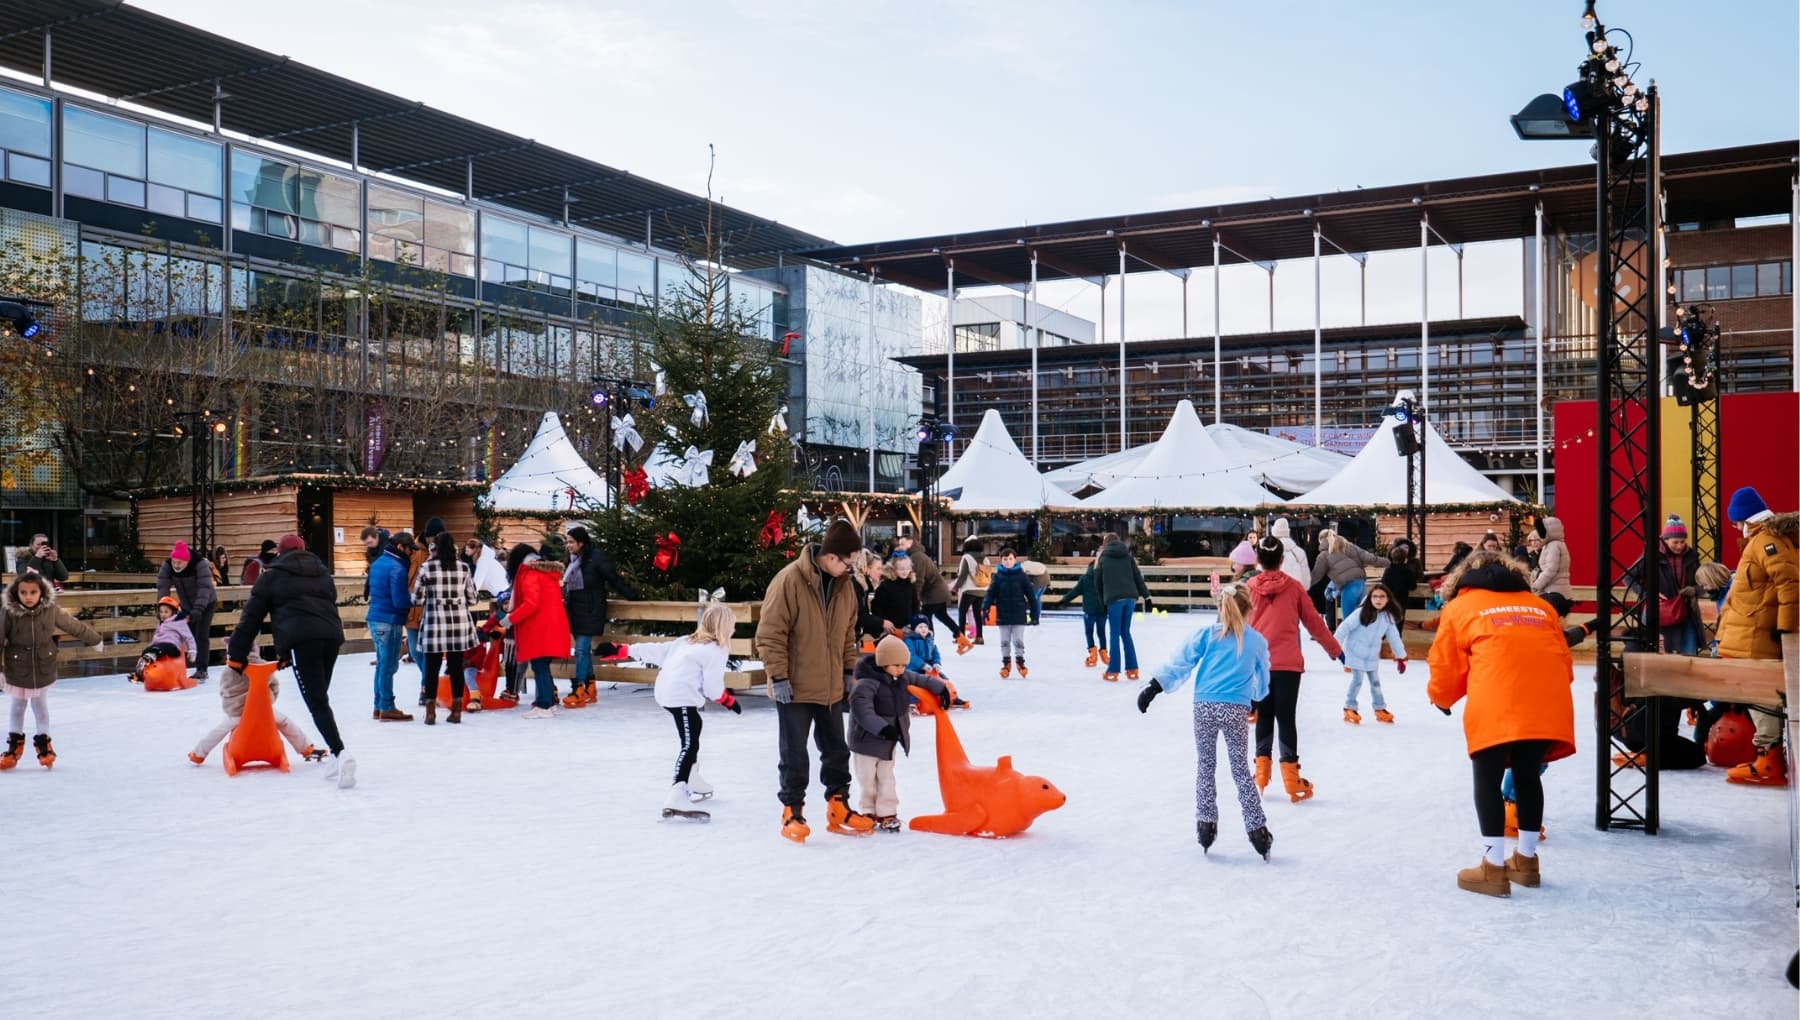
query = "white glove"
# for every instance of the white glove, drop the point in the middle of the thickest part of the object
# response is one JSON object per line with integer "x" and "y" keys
{"x": 101, "y": 647}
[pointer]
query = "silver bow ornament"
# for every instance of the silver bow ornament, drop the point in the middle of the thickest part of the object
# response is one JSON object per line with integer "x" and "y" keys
{"x": 625, "y": 433}
{"x": 743, "y": 462}
{"x": 694, "y": 471}
{"x": 778, "y": 425}
{"x": 697, "y": 401}
{"x": 661, "y": 377}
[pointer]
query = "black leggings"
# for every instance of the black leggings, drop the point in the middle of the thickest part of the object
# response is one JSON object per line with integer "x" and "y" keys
{"x": 971, "y": 603}
{"x": 1278, "y": 708}
{"x": 941, "y": 611}
{"x": 1524, "y": 757}
{"x": 687, "y": 725}
{"x": 313, "y": 663}
{"x": 435, "y": 661}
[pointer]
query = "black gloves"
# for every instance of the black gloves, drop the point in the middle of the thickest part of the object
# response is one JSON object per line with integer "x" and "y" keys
{"x": 1148, "y": 605}
{"x": 891, "y": 731}
{"x": 1148, "y": 694}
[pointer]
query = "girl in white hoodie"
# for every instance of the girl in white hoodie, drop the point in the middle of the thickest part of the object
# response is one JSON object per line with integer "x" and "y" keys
{"x": 692, "y": 673}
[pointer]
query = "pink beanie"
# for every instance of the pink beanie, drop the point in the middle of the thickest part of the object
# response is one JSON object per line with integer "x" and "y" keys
{"x": 180, "y": 552}
{"x": 1244, "y": 555}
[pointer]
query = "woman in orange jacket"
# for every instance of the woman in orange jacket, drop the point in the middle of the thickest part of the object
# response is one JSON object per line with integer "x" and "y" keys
{"x": 1503, "y": 648}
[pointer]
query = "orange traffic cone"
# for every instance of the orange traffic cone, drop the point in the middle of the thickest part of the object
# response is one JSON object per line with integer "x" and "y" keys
{"x": 256, "y": 740}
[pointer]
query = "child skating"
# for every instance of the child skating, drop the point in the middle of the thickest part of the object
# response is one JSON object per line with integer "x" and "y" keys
{"x": 1009, "y": 596}
{"x": 29, "y": 623}
{"x": 1093, "y": 613}
{"x": 234, "y": 687}
{"x": 171, "y": 640}
{"x": 1229, "y": 664}
{"x": 692, "y": 673}
{"x": 925, "y": 658}
{"x": 1360, "y": 634}
{"x": 880, "y": 721}
{"x": 1279, "y": 606}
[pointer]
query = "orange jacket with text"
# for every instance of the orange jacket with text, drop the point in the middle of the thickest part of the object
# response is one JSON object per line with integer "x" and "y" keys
{"x": 1505, "y": 652}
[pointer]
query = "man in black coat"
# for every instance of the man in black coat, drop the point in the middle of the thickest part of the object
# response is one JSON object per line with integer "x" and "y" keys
{"x": 584, "y": 596}
{"x": 298, "y": 597}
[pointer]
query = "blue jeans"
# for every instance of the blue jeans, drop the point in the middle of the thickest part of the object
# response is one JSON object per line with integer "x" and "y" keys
{"x": 1684, "y": 637}
{"x": 1350, "y": 598}
{"x": 418, "y": 657}
{"x": 387, "y": 660}
{"x": 1357, "y": 676}
{"x": 1118, "y": 619}
{"x": 545, "y": 696}
{"x": 1094, "y": 626}
{"x": 584, "y": 658}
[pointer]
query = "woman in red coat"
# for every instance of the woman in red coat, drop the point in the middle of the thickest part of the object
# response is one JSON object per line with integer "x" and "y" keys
{"x": 1503, "y": 648}
{"x": 540, "y": 623}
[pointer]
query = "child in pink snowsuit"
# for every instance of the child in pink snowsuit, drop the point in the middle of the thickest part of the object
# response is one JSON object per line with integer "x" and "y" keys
{"x": 171, "y": 640}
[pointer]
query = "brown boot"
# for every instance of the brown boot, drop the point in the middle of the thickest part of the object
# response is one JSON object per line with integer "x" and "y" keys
{"x": 1484, "y": 878}
{"x": 455, "y": 711}
{"x": 1522, "y": 870}
{"x": 431, "y": 711}
{"x": 1263, "y": 766}
{"x": 1093, "y": 657}
{"x": 393, "y": 715}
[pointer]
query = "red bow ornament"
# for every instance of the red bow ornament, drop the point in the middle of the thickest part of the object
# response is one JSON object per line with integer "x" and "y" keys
{"x": 668, "y": 552}
{"x": 637, "y": 486}
{"x": 772, "y": 531}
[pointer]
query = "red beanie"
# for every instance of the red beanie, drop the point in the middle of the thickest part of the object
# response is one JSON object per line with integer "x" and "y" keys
{"x": 289, "y": 543}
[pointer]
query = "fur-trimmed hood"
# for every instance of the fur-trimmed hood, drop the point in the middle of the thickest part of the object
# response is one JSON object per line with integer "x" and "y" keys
{"x": 1781, "y": 525}
{"x": 9, "y": 599}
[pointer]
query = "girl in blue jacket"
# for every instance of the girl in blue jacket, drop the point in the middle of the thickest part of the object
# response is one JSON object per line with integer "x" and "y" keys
{"x": 1361, "y": 634}
{"x": 1229, "y": 664}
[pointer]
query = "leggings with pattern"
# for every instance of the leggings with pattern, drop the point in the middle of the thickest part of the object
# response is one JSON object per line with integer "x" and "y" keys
{"x": 1212, "y": 719}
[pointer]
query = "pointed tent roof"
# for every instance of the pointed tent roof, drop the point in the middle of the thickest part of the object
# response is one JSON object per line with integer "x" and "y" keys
{"x": 1376, "y": 476}
{"x": 545, "y": 473}
{"x": 1277, "y": 462}
{"x": 1099, "y": 472}
{"x": 1185, "y": 469}
{"x": 995, "y": 477}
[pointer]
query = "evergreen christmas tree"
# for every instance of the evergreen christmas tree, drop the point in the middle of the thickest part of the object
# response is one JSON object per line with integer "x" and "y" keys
{"x": 720, "y": 387}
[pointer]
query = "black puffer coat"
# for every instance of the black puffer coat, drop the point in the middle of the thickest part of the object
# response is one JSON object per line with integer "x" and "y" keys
{"x": 587, "y": 604}
{"x": 877, "y": 699}
{"x": 299, "y": 599}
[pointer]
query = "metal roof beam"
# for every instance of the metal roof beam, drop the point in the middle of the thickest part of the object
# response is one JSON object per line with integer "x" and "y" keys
{"x": 457, "y": 158}
{"x": 208, "y": 80}
{"x": 1154, "y": 258}
{"x": 601, "y": 217}
{"x": 1068, "y": 269}
{"x": 389, "y": 115}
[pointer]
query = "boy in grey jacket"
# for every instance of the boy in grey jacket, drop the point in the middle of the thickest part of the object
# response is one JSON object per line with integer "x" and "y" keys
{"x": 880, "y": 720}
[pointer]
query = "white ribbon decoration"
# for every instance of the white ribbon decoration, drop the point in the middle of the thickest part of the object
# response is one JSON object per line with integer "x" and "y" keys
{"x": 625, "y": 433}
{"x": 697, "y": 401}
{"x": 743, "y": 462}
{"x": 662, "y": 378}
{"x": 694, "y": 468}
{"x": 778, "y": 422}
{"x": 804, "y": 521}
{"x": 716, "y": 595}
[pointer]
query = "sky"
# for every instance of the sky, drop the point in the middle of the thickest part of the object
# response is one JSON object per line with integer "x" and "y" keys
{"x": 883, "y": 120}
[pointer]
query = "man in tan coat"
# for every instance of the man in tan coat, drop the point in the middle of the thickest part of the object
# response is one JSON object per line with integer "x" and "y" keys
{"x": 806, "y": 638}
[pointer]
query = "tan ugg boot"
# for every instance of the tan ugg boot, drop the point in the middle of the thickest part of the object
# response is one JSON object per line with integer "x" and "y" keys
{"x": 1484, "y": 878}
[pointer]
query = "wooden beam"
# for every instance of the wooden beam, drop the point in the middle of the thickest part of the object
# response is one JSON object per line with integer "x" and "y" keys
{"x": 1743, "y": 681}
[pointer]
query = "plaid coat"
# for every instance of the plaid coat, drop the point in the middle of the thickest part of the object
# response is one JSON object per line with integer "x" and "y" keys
{"x": 447, "y": 596}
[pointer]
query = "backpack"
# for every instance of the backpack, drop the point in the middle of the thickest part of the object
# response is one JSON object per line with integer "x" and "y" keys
{"x": 984, "y": 574}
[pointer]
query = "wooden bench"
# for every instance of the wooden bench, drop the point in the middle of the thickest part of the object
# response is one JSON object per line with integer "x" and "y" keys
{"x": 685, "y": 616}
{"x": 231, "y": 598}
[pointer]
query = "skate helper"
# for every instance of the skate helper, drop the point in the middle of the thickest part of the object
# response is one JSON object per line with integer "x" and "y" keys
{"x": 806, "y": 638}
{"x": 1229, "y": 664}
{"x": 171, "y": 640}
{"x": 234, "y": 686}
{"x": 880, "y": 720}
{"x": 1093, "y": 612}
{"x": 925, "y": 658}
{"x": 1360, "y": 635}
{"x": 1009, "y": 596}
{"x": 1503, "y": 648}
{"x": 298, "y": 598}
{"x": 692, "y": 673}
{"x": 1121, "y": 585}
{"x": 29, "y": 623}
{"x": 540, "y": 626}
{"x": 1762, "y": 604}
{"x": 1279, "y": 606}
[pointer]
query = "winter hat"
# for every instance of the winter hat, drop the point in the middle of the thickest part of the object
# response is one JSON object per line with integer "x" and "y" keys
{"x": 1279, "y": 529}
{"x": 1244, "y": 555}
{"x": 918, "y": 618}
{"x": 181, "y": 552}
{"x": 268, "y": 547}
{"x": 1674, "y": 528}
{"x": 434, "y": 527}
{"x": 891, "y": 651}
{"x": 1747, "y": 507}
{"x": 841, "y": 540}
{"x": 289, "y": 543}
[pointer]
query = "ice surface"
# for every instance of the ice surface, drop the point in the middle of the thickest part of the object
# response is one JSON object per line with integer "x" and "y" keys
{"x": 511, "y": 867}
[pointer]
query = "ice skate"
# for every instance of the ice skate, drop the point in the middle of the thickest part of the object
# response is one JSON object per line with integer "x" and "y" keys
{"x": 839, "y": 817}
{"x": 793, "y": 826}
{"x": 698, "y": 788}
{"x": 888, "y": 823}
{"x": 575, "y": 698}
{"x": 1353, "y": 717}
{"x": 1522, "y": 870}
{"x": 681, "y": 805}
{"x": 541, "y": 713}
{"x": 589, "y": 693}
{"x": 1298, "y": 787}
{"x": 1767, "y": 770}
{"x": 1382, "y": 715}
{"x": 1005, "y": 668}
{"x": 1263, "y": 766}
{"x": 45, "y": 753}
{"x": 15, "y": 749}
{"x": 197, "y": 759}
{"x": 1206, "y": 832}
{"x": 313, "y": 753}
{"x": 1261, "y": 840}
{"x": 963, "y": 644}
{"x": 346, "y": 771}
{"x": 1023, "y": 672}
{"x": 1093, "y": 657}
{"x": 1105, "y": 658}
{"x": 1484, "y": 878}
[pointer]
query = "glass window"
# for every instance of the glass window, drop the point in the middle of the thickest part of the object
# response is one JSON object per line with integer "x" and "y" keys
{"x": 596, "y": 265}
{"x": 28, "y": 169}
{"x": 1693, "y": 285}
{"x": 451, "y": 228}
{"x": 328, "y": 198}
{"x": 672, "y": 278}
{"x": 168, "y": 201}
{"x": 180, "y": 161}
{"x": 203, "y": 207}
{"x": 261, "y": 182}
{"x": 24, "y": 123}
{"x": 1743, "y": 281}
{"x": 394, "y": 214}
{"x": 1768, "y": 279}
{"x": 549, "y": 251}
{"x": 1787, "y": 277}
{"x": 503, "y": 240}
{"x": 87, "y": 183}
{"x": 1718, "y": 283}
{"x": 102, "y": 142}
{"x": 124, "y": 190}
{"x": 637, "y": 276}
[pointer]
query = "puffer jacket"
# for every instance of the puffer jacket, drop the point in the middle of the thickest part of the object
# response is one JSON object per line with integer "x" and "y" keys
{"x": 924, "y": 651}
{"x": 933, "y": 589}
{"x": 1009, "y": 593}
{"x": 877, "y": 699}
{"x": 298, "y": 598}
{"x": 234, "y": 687}
{"x": 1503, "y": 648}
{"x": 896, "y": 601}
{"x": 1278, "y": 606}
{"x": 1552, "y": 573}
{"x": 175, "y": 632}
{"x": 1762, "y": 599}
{"x": 193, "y": 587}
{"x": 28, "y": 637}
{"x": 1362, "y": 641}
{"x": 1341, "y": 568}
{"x": 389, "y": 600}
{"x": 807, "y": 632}
{"x": 539, "y": 620}
{"x": 1119, "y": 575}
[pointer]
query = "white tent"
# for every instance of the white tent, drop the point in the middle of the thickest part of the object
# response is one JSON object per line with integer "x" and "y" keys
{"x": 1376, "y": 476}
{"x": 1274, "y": 461}
{"x": 549, "y": 475}
{"x": 1099, "y": 472}
{"x": 993, "y": 476}
{"x": 1185, "y": 469}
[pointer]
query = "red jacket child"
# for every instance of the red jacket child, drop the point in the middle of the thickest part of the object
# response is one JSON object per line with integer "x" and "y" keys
{"x": 1278, "y": 606}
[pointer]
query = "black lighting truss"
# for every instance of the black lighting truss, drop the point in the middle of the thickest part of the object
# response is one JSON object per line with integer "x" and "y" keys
{"x": 1630, "y": 302}
{"x": 1695, "y": 372}
{"x": 200, "y": 426}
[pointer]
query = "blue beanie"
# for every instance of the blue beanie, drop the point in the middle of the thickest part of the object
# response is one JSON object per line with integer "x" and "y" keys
{"x": 1746, "y": 505}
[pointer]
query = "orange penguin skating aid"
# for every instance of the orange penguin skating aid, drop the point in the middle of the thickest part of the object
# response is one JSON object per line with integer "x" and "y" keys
{"x": 170, "y": 674}
{"x": 256, "y": 740}
{"x": 978, "y": 800}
